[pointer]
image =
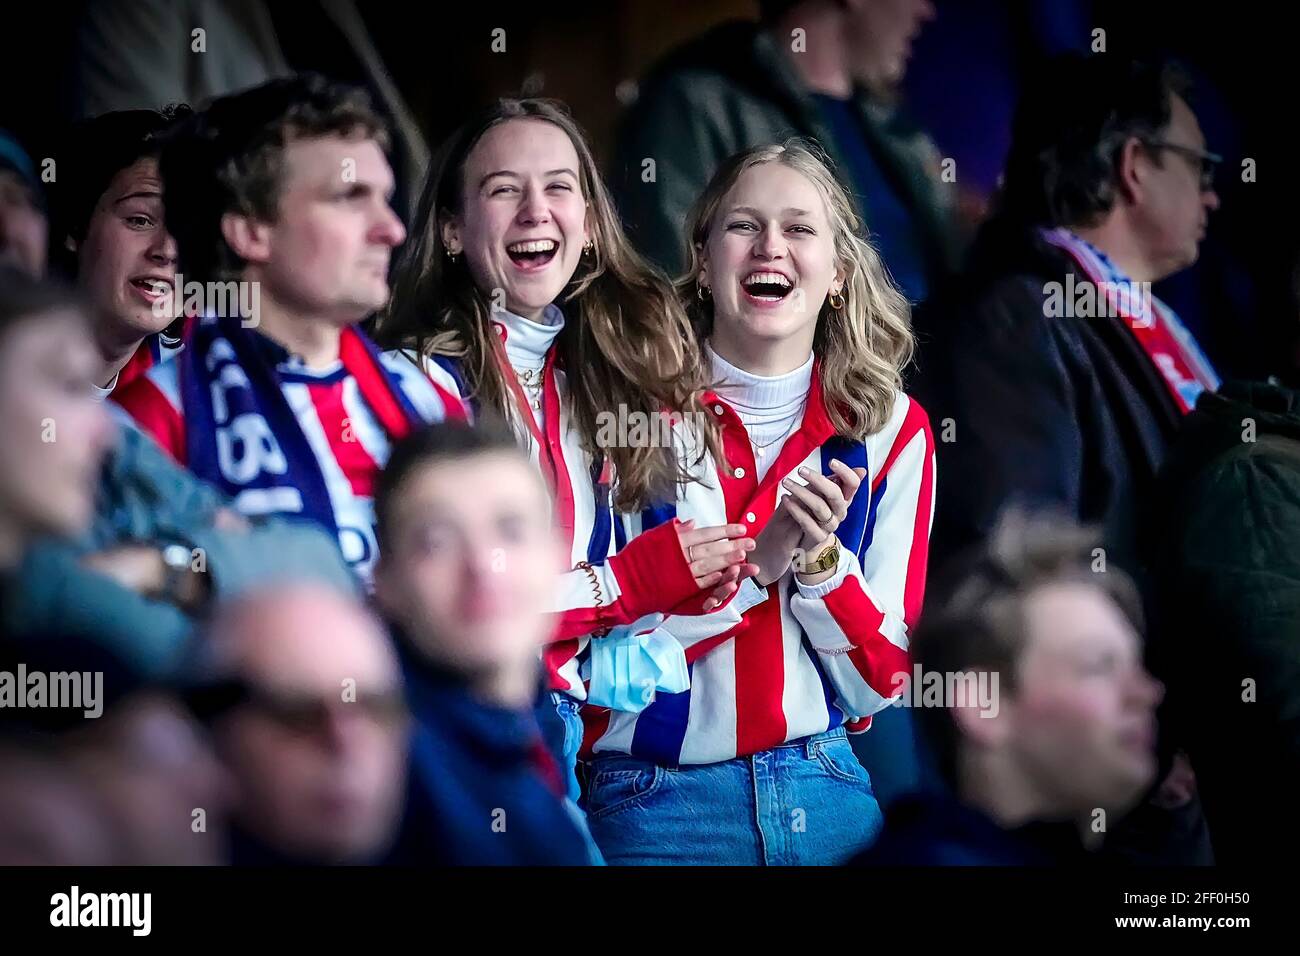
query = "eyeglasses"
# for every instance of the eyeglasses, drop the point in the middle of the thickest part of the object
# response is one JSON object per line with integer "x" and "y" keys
{"x": 308, "y": 714}
{"x": 300, "y": 713}
{"x": 1204, "y": 161}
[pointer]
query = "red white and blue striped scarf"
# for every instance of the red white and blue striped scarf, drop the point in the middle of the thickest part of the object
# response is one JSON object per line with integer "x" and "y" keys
{"x": 1167, "y": 342}
{"x": 242, "y": 435}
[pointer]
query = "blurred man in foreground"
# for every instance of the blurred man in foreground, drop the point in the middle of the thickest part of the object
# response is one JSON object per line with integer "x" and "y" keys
{"x": 467, "y": 576}
{"x": 100, "y": 764}
{"x": 1065, "y": 743}
{"x": 315, "y": 734}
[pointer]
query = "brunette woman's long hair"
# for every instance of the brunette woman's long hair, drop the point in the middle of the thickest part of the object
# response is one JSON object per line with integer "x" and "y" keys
{"x": 626, "y": 341}
{"x": 864, "y": 346}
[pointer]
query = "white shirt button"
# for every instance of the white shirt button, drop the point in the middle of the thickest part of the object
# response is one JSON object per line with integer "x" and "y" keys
{"x": 740, "y": 473}
{"x": 717, "y": 409}
{"x": 751, "y": 517}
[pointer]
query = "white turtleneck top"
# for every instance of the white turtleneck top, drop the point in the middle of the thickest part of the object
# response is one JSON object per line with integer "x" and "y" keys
{"x": 770, "y": 407}
{"x": 527, "y": 343}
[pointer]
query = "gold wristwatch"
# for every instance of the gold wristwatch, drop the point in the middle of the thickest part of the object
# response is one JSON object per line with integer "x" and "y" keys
{"x": 827, "y": 559}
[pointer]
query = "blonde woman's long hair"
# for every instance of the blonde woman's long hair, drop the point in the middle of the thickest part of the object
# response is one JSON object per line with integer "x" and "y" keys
{"x": 864, "y": 346}
{"x": 626, "y": 341}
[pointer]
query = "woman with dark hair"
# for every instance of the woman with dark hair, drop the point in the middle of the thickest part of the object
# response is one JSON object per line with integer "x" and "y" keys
{"x": 521, "y": 292}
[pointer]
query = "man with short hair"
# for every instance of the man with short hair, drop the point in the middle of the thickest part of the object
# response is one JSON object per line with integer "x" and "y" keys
{"x": 1061, "y": 740}
{"x": 100, "y": 532}
{"x": 1055, "y": 375}
{"x": 1056, "y": 378}
{"x": 467, "y": 568}
{"x": 279, "y": 199}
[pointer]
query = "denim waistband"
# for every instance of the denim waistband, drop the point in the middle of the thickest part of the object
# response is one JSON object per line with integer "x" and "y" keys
{"x": 809, "y": 745}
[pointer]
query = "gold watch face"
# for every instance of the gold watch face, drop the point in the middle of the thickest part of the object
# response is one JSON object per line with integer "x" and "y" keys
{"x": 828, "y": 558}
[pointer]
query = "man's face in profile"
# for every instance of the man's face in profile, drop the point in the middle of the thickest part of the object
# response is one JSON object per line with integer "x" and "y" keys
{"x": 1175, "y": 207}
{"x": 880, "y": 37}
{"x": 1084, "y": 705}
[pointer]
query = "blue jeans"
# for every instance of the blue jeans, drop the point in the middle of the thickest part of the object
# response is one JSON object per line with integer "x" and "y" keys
{"x": 807, "y": 802}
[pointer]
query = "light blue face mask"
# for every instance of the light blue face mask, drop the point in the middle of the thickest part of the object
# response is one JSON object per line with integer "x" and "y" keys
{"x": 633, "y": 663}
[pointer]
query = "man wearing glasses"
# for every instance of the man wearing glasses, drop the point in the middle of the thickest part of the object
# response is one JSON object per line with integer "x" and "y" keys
{"x": 1062, "y": 375}
{"x": 1056, "y": 377}
{"x": 309, "y": 718}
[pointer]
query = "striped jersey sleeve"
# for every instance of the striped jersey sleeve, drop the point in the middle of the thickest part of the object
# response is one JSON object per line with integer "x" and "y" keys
{"x": 606, "y": 586}
{"x": 858, "y": 620}
{"x": 153, "y": 403}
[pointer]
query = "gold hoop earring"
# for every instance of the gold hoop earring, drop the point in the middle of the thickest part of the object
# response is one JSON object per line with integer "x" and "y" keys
{"x": 837, "y": 306}
{"x": 588, "y": 247}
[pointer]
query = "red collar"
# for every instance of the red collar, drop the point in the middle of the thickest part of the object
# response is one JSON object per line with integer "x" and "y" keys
{"x": 742, "y": 493}
{"x": 550, "y": 442}
{"x": 816, "y": 425}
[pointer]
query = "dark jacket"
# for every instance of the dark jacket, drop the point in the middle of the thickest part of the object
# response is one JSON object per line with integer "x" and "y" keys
{"x": 731, "y": 89}
{"x": 245, "y": 849}
{"x": 1226, "y": 639}
{"x": 482, "y": 791}
{"x": 1066, "y": 413}
{"x": 933, "y": 829}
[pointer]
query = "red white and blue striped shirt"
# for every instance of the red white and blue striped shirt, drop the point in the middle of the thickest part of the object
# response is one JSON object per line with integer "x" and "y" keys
{"x": 349, "y": 444}
{"x": 154, "y": 350}
{"x": 790, "y": 660}
{"x": 608, "y": 585}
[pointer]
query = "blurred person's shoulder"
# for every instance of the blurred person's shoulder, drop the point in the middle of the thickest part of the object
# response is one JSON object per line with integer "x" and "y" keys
{"x": 732, "y": 57}
{"x": 1239, "y": 443}
{"x": 1273, "y": 408}
{"x": 934, "y": 829}
{"x": 1003, "y": 292}
{"x": 431, "y": 387}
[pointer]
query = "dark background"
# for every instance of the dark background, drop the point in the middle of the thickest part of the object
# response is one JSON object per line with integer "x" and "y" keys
{"x": 966, "y": 69}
